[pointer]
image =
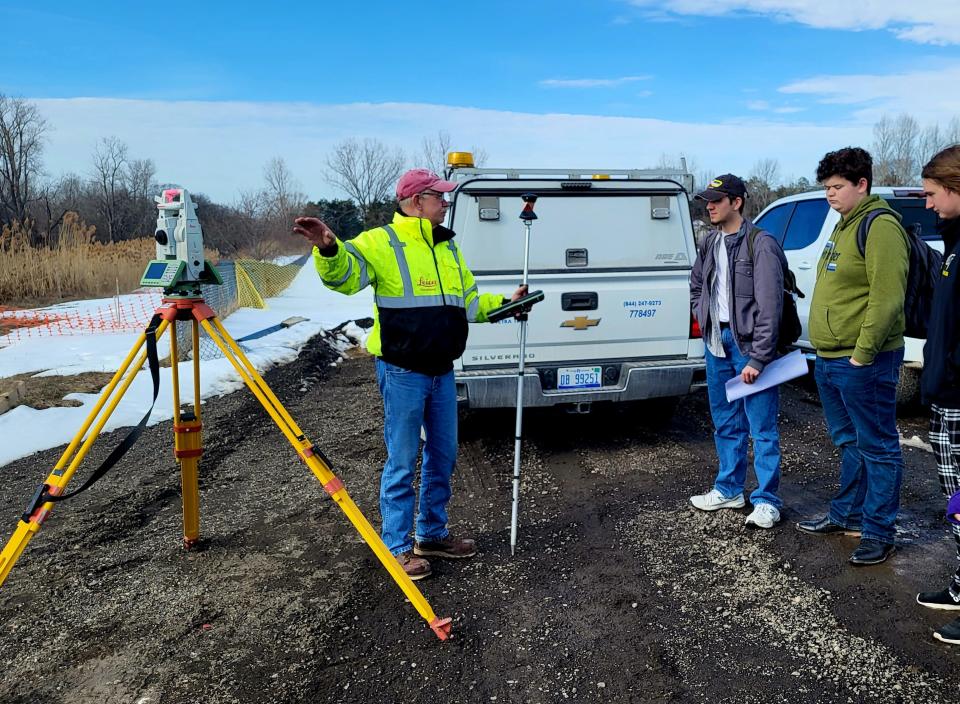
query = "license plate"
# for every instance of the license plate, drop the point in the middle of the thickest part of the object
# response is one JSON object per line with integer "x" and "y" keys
{"x": 578, "y": 378}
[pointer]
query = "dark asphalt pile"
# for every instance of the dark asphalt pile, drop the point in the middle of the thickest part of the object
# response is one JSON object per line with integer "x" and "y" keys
{"x": 619, "y": 592}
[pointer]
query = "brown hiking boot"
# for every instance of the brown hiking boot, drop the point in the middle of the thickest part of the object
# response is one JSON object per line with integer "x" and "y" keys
{"x": 415, "y": 567}
{"x": 447, "y": 547}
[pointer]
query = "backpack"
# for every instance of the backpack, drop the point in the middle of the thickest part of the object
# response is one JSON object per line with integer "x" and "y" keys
{"x": 925, "y": 265}
{"x": 790, "y": 328}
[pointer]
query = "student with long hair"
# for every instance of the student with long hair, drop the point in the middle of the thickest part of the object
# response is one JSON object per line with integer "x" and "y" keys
{"x": 940, "y": 382}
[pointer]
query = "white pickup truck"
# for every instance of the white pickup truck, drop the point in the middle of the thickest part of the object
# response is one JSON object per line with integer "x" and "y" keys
{"x": 803, "y": 224}
{"x": 612, "y": 251}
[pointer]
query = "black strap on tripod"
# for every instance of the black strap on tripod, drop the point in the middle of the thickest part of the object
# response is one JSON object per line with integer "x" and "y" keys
{"x": 43, "y": 494}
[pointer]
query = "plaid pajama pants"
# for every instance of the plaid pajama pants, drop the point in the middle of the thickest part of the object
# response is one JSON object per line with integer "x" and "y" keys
{"x": 945, "y": 439}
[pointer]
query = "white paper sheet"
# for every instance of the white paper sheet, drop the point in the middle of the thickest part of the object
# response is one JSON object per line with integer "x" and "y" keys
{"x": 790, "y": 366}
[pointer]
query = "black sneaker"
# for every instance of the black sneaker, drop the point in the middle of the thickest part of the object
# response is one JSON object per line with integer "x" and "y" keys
{"x": 938, "y": 600}
{"x": 871, "y": 552}
{"x": 949, "y": 633}
{"x": 824, "y": 526}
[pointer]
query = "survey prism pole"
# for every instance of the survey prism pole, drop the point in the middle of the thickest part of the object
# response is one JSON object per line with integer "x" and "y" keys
{"x": 528, "y": 216}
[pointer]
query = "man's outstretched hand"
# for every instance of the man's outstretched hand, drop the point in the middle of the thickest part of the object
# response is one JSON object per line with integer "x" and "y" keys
{"x": 316, "y": 231}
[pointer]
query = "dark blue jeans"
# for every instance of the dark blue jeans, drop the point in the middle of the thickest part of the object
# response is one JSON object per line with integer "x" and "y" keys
{"x": 412, "y": 400}
{"x": 860, "y": 405}
{"x": 753, "y": 416}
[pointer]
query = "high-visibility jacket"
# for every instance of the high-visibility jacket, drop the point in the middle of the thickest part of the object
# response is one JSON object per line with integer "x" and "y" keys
{"x": 424, "y": 294}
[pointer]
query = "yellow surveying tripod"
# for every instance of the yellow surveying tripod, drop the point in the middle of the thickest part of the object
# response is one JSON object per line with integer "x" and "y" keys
{"x": 185, "y": 303}
{"x": 188, "y": 446}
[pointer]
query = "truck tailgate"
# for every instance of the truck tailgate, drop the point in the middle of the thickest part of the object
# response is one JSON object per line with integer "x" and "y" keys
{"x": 618, "y": 315}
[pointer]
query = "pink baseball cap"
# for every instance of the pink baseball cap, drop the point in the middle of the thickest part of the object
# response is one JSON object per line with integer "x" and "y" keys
{"x": 419, "y": 180}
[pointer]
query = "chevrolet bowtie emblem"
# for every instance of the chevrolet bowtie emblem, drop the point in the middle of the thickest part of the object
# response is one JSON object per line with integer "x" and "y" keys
{"x": 581, "y": 322}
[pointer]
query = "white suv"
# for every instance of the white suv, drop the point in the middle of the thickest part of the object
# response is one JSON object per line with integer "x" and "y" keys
{"x": 804, "y": 222}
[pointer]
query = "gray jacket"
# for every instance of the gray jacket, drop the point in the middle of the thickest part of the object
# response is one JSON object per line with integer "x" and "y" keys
{"x": 755, "y": 295}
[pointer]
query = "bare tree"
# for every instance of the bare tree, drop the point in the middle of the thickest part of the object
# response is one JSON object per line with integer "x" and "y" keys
{"x": 436, "y": 149}
{"x": 930, "y": 141}
{"x": 762, "y": 184}
{"x": 21, "y": 146}
{"x": 67, "y": 194}
{"x": 434, "y": 152}
{"x": 282, "y": 195}
{"x": 109, "y": 172}
{"x": 906, "y": 134}
{"x": 139, "y": 178}
{"x": 952, "y": 132}
{"x": 365, "y": 170}
{"x": 258, "y": 225}
{"x": 247, "y": 227}
{"x": 140, "y": 183}
{"x": 895, "y": 150}
{"x": 767, "y": 170}
{"x": 121, "y": 188}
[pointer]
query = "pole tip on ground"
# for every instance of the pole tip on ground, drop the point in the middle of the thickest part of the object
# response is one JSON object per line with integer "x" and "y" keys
{"x": 442, "y": 626}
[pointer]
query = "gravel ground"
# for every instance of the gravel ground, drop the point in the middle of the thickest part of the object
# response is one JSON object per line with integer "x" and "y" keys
{"x": 619, "y": 591}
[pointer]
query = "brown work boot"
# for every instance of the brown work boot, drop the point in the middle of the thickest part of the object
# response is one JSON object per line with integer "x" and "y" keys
{"x": 447, "y": 547}
{"x": 415, "y": 567}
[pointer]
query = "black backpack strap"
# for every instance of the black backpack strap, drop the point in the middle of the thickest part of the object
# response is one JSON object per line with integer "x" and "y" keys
{"x": 121, "y": 449}
{"x": 752, "y": 239}
{"x": 863, "y": 229}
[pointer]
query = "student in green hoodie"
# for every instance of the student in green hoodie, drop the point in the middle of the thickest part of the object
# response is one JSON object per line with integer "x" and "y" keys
{"x": 856, "y": 325}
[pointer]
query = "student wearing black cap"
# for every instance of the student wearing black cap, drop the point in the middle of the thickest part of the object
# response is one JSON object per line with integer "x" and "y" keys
{"x": 736, "y": 295}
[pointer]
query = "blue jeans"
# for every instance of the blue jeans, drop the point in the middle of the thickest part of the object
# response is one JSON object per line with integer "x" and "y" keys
{"x": 756, "y": 413}
{"x": 412, "y": 400}
{"x": 860, "y": 405}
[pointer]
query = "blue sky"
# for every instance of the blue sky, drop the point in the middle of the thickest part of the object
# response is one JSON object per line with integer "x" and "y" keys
{"x": 211, "y": 91}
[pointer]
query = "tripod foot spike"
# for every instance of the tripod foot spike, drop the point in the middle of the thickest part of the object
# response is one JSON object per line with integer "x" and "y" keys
{"x": 442, "y": 626}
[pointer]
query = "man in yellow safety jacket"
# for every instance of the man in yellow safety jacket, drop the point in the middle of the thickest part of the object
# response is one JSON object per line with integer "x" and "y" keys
{"x": 424, "y": 297}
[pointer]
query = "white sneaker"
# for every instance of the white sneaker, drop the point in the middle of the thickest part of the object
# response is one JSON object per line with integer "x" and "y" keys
{"x": 763, "y": 516}
{"x": 713, "y": 500}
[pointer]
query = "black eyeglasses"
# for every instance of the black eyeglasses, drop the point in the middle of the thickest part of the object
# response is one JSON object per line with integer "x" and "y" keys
{"x": 438, "y": 196}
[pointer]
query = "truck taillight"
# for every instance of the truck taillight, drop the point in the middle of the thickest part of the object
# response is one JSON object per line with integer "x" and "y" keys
{"x": 694, "y": 328}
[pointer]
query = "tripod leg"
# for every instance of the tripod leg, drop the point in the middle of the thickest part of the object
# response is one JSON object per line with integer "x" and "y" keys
{"x": 187, "y": 448}
{"x": 188, "y": 441}
{"x": 38, "y": 510}
{"x": 320, "y": 467}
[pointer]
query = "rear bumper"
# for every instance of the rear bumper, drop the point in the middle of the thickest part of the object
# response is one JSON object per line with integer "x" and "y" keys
{"x": 497, "y": 388}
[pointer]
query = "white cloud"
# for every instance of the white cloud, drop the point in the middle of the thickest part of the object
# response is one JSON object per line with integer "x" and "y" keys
{"x": 766, "y": 106}
{"x": 930, "y": 95}
{"x": 591, "y": 82}
{"x": 928, "y": 22}
{"x": 219, "y": 148}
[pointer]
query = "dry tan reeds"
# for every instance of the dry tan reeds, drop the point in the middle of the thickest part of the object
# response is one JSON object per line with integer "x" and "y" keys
{"x": 76, "y": 267}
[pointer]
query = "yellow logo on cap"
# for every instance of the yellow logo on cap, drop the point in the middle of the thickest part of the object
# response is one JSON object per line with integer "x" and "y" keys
{"x": 716, "y": 183}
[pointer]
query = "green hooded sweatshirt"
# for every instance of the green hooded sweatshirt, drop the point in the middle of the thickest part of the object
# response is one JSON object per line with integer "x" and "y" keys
{"x": 857, "y": 305}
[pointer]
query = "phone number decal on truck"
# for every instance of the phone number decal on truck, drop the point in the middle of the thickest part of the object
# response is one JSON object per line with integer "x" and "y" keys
{"x": 642, "y": 308}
